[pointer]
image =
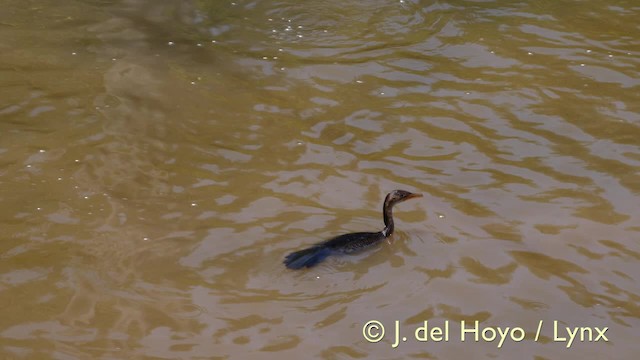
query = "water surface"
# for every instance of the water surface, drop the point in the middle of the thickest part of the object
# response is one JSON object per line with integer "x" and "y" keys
{"x": 158, "y": 160}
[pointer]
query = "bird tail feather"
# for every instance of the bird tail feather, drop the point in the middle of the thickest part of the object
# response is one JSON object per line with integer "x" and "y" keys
{"x": 307, "y": 257}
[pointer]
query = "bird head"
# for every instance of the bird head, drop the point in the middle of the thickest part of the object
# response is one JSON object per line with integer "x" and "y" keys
{"x": 397, "y": 196}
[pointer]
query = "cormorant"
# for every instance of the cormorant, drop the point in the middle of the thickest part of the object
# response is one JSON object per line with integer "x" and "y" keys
{"x": 349, "y": 243}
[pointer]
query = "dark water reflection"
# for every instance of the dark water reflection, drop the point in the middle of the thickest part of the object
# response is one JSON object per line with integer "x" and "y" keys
{"x": 159, "y": 160}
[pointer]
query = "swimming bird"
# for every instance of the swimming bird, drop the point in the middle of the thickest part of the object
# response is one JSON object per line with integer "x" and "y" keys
{"x": 349, "y": 243}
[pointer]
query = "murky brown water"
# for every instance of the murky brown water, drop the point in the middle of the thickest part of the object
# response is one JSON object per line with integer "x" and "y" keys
{"x": 159, "y": 159}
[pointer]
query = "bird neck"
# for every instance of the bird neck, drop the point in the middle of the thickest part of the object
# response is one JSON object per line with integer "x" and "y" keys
{"x": 387, "y": 212}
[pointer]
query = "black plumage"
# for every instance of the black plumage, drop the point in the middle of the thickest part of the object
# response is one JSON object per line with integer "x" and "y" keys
{"x": 349, "y": 243}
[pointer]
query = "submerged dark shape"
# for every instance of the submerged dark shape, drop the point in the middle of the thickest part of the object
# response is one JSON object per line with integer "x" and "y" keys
{"x": 349, "y": 243}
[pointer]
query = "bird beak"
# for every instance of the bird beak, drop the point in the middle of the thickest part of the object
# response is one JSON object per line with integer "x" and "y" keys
{"x": 412, "y": 195}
